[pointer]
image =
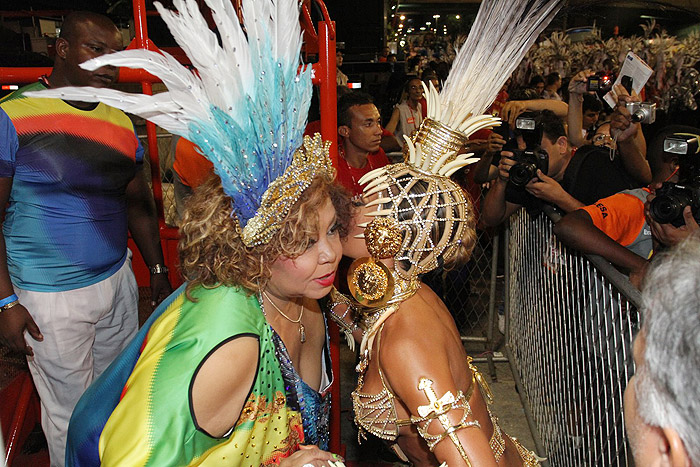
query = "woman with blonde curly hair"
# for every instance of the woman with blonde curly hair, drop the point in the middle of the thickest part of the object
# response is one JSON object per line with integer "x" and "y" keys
{"x": 233, "y": 368}
{"x": 239, "y": 353}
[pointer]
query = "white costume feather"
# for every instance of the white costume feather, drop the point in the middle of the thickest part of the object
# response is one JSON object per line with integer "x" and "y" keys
{"x": 246, "y": 105}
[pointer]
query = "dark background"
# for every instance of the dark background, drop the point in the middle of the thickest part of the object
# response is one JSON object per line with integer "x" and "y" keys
{"x": 360, "y": 23}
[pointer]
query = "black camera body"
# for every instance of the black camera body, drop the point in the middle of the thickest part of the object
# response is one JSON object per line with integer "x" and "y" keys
{"x": 667, "y": 207}
{"x": 533, "y": 157}
{"x": 528, "y": 161}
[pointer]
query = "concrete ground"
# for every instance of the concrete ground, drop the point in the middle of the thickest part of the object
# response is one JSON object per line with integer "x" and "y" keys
{"x": 372, "y": 453}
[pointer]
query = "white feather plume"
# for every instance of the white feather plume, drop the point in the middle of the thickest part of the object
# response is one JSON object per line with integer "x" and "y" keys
{"x": 502, "y": 33}
{"x": 246, "y": 105}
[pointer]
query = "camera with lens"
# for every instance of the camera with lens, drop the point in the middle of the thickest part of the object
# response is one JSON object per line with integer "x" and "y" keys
{"x": 530, "y": 159}
{"x": 667, "y": 207}
{"x": 642, "y": 112}
{"x": 600, "y": 83}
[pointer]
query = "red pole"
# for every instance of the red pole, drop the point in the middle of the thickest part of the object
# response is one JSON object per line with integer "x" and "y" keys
{"x": 329, "y": 132}
{"x": 327, "y": 89}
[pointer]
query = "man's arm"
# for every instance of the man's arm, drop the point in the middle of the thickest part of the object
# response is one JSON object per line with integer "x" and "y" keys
{"x": 630, "y": 139}
{"x": 484, "y": 171}
{"x": 548, "y": 189}
{"x": 577, "y": 230}
{"x": 574, "y": 115}
{"x": 143, "y": 224}
{"x": 512, "y": 109}
{"x": 13, "y": 321}
{"x": 495, "y": 208}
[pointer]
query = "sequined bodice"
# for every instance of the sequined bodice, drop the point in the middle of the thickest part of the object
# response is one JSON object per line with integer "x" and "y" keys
{"x": 314, "y": 406}
{"x": 376, "y": 413}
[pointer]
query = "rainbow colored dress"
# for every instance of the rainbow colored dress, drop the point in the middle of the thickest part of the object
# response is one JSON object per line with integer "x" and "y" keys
{"x": 138, "y": 412}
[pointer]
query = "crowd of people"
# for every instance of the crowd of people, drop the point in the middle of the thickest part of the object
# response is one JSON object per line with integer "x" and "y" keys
{"x": 234, "y": 366}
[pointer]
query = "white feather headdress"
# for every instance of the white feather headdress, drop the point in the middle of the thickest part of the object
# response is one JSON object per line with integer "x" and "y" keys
{"x": 432, "y": 210}
{"x": 245, "y": 107}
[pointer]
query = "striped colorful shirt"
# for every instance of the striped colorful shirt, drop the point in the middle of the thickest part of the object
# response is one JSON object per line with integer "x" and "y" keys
{"x": 66, "y": 224}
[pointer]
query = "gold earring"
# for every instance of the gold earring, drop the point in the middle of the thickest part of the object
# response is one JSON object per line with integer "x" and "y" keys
{"x": 370, "y": 281}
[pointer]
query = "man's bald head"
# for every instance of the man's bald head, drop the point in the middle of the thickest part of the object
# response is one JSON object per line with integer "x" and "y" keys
{"x": 74, "y": 22}
{"x": 84, "y": 36}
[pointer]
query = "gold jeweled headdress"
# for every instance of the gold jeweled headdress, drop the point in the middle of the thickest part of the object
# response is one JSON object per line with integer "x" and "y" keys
{"x": 432, "y": 211}
{"x": 245, "y": 107}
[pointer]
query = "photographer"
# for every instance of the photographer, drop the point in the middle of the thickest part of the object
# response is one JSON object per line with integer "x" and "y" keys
{"x": 616, "y": 227}
{"x": 584, "y": 110}
{"x": 572, "y": 179}
{"x": 630, "y": 140}
{"x": 674, "y": 232}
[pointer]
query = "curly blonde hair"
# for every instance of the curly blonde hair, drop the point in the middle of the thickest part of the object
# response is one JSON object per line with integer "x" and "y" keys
{"x": 212, "y": 252}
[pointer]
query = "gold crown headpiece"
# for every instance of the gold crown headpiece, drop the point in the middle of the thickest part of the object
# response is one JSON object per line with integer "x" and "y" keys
{"x": 432, "y": 211}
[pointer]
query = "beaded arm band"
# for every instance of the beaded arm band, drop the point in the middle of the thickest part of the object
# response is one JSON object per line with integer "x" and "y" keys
{"x": 438, "y": 409}
{"x": 348, "y": 328}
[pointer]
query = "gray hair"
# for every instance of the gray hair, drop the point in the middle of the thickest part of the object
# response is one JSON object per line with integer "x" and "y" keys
{"x": 668, "y": 382}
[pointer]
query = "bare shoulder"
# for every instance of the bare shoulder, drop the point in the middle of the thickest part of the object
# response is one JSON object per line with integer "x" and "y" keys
{"x": 220, "y": 389}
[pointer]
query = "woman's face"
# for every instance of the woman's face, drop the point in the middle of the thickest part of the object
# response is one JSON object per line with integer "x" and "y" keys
{"x": 312, "y": 274}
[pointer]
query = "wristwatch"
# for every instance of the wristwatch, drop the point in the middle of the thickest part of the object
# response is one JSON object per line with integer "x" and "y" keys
{"x": 158, "y": 269}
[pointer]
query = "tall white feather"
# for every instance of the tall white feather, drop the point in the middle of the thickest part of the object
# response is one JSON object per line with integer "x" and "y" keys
{"x": 245, "y": 107}
{"x": 502, "y": 33}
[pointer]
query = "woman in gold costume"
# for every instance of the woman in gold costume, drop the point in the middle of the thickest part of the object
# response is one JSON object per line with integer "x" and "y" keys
{"x": 417, "y": 388}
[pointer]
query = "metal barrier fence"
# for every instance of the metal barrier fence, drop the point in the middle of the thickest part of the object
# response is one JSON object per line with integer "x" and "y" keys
{"x": 469, "y": 291}
{"x": 570, "y": 320}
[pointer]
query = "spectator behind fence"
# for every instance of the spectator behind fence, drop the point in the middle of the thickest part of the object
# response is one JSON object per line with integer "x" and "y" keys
{"x": 71, "y": 176}
{"x": 552, "y": 85}
{"x": 584, "y": 110}
{"x": 662, "y": 399}
{"x": 573, "y": 178}
{"x": 190, "y": 169}
{"x": 341, "y": 79}
{"x": 537, "y": 84}
{"x": 616, "y": 227}
{"x": 360, "y": 137}
{"x": 408, "y": 115}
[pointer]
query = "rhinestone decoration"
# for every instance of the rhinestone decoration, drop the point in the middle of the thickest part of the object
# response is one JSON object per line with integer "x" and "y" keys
{"x": 383, "y": 236}
{"x": 369, "y": 282}
{"x": 439, "y": 200}
{"x": 312, "y": 159}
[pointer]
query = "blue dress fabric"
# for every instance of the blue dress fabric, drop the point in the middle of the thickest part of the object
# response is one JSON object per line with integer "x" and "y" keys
{"x": 313, "y": 405}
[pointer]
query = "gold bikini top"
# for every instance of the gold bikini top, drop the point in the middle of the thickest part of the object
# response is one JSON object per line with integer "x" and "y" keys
{"x": 376, "y": 414}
